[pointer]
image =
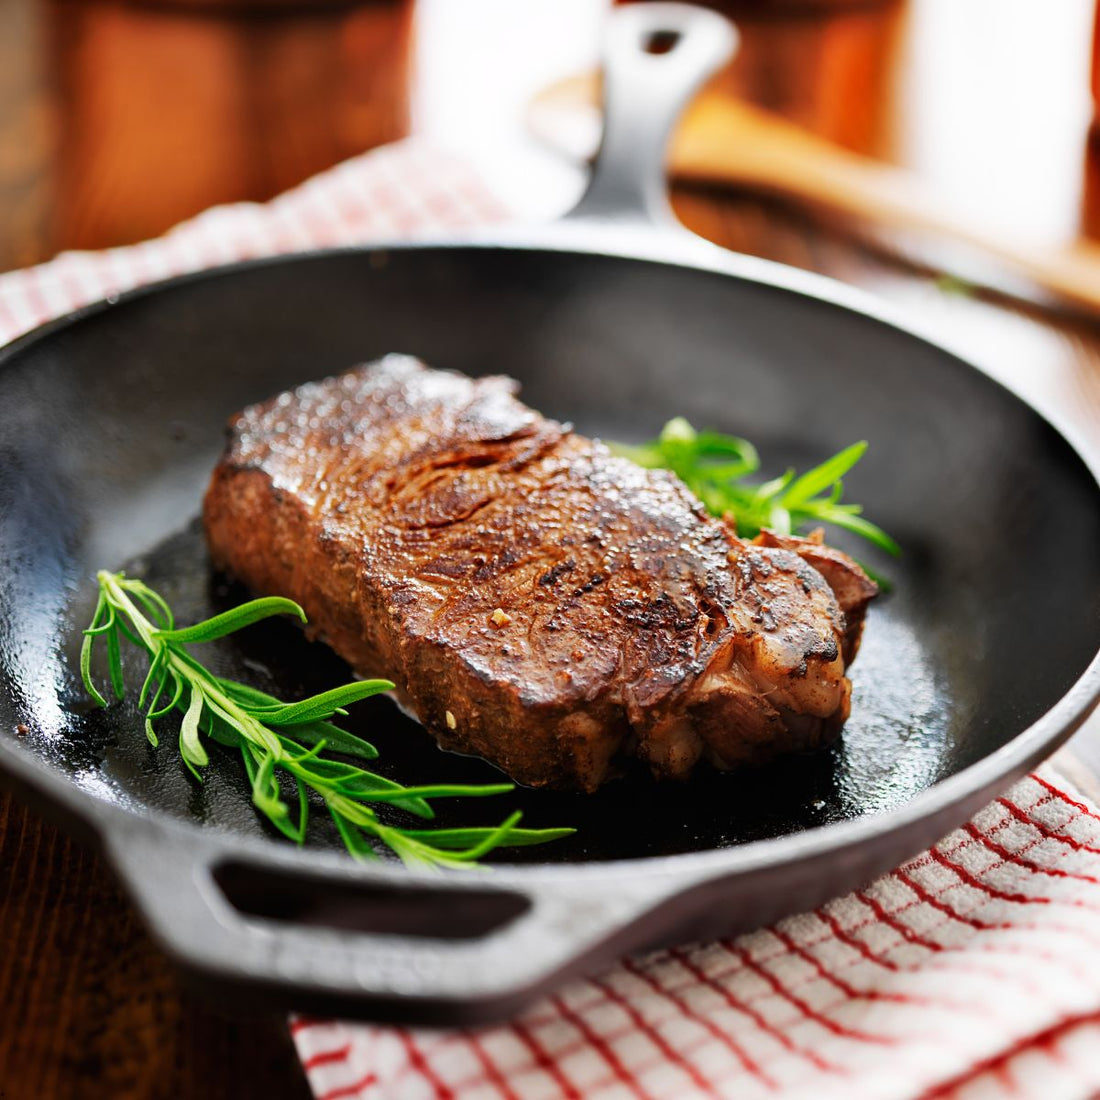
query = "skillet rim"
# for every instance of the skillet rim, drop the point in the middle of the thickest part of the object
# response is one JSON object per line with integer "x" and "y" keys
{"x": 679, "y": 250}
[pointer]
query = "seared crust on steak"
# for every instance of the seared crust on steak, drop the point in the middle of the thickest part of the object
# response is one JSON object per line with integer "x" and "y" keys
{"x": 538, "y": 601}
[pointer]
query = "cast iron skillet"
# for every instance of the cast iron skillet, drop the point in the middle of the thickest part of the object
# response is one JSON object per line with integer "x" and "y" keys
{"x": 978, "y": 664}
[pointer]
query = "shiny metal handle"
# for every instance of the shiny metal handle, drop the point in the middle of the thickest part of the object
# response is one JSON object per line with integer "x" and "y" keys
{"x": 656, "y": 56}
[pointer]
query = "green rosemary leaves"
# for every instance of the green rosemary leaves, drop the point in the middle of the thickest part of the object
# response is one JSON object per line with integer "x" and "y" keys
{"x": 285, "y": 747}
{"x": 714, "y": 467}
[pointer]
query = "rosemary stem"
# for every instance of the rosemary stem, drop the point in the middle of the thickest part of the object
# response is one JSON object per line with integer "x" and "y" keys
{"x": 116, "y": 594}
{"x": 274, "y": 737}
{"x": 181, "y": 666}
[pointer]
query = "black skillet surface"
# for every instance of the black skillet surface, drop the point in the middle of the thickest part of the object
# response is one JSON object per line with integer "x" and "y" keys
{"x": 978, "y": 663}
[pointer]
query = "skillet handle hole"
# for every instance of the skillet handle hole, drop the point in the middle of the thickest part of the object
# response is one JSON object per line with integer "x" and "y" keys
{"x": 660, "y": 42}
{"x": 422, "y": 912}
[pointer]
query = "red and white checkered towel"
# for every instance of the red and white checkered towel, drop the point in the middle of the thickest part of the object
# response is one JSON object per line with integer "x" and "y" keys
{"x": 972, "y": 971}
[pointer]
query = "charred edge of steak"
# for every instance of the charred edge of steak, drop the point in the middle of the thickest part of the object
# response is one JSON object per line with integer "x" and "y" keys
{"x": 854, "y": 590}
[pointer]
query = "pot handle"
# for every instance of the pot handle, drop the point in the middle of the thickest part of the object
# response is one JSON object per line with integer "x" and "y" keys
{"x": 376, "y": 942}
{"x": 656, "y": 55}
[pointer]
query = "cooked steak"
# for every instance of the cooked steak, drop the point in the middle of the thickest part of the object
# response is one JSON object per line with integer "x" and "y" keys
{"x": 538, "y": 601}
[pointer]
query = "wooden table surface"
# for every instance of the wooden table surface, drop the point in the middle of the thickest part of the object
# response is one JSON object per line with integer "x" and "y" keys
{"x": 117, "y": 119}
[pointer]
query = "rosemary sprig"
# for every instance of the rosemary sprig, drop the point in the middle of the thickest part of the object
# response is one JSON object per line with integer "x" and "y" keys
{"x": 276, "y": 737}
{"x": 714, "y": 467}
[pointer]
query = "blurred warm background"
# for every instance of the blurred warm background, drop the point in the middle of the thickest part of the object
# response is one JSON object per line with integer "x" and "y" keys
{"x": 120, "y": 117}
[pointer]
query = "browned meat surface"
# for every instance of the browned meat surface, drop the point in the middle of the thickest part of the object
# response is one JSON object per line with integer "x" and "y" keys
{"x": 853, "y": 589}
{"x": 537, "y": 600}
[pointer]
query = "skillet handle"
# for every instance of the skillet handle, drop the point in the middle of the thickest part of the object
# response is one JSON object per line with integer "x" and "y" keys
{"x": 656, "y": 55}
{"x": 377, "y": 942}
